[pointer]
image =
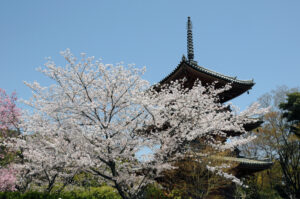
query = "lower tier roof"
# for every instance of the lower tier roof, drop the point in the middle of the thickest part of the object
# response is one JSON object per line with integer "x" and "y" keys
{"x": 245, "y": 166}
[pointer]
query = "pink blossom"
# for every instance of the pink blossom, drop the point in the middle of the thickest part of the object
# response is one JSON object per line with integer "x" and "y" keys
{"x": 7, "y": 179}
{"x": 9, "y": 112}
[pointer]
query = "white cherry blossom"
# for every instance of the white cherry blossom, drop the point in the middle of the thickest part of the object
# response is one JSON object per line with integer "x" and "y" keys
{"x": 97, "y": 116}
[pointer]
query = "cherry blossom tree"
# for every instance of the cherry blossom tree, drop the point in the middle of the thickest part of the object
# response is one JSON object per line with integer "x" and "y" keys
{"x": 98, "y": 116}
{"x": 44, "y": 160}
{"x": 9, "y": 119}
{"x": 9, "y": 112}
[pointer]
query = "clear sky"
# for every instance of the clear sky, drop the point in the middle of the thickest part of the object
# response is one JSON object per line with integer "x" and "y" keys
{"x": 257, "y": 39}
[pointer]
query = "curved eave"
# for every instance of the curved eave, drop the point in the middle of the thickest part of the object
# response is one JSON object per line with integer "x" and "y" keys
{"x": 192, "y": 72}
{"x": 248, "y": 127}
{"x": 253, "y": 125}
{"x": 248, "y": 161}
{"x": 247, "y": 166}
{"x": 244, "y": 161}
{"x": 212, "y": 73}
{"x": 251, "y": 162}
{"x": 250, "y": 166}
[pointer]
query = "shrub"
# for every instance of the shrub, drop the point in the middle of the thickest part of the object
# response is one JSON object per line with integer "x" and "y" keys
{"x": 103, "y": 192}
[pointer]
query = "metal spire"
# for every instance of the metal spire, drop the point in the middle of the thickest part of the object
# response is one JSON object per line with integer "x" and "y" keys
{"x": 190, "y": 48}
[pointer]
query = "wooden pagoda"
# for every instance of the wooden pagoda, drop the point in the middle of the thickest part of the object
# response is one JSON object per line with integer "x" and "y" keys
{"x": 189, "y": 69}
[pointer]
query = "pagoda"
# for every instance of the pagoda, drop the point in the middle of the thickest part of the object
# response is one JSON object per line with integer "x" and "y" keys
{"x": 189, "y": 70}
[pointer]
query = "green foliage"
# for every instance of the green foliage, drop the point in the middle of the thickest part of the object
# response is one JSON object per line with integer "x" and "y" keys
{"x": 177, "y": 194}
{"x": 292, "y": 111}
{"x": 292, "y": 107}
{"x": 103, "y": 192}
{"x": 28, "y": 195}
{"x": 86, "y": 179}
{"x": 155, "y": 192}
{"x": 255, "y": 191}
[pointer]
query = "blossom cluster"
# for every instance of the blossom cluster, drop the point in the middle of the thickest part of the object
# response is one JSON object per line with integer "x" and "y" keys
{"x": 7, "y": 179}
{"x": 9, "y": 112}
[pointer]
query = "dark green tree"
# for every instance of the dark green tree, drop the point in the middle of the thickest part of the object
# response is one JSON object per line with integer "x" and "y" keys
{"x": 291, "y": 108}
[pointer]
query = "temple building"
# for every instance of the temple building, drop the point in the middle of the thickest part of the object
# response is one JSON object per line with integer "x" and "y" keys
{"x": 189, "y": 69}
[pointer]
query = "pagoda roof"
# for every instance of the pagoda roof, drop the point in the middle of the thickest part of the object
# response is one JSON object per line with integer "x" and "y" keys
{"x": 250, "y": 162}
{"x": 248, "y": 126}
{"x": 245, "y": 166}
{"x": 241, "y": 160}
{"x": 209, "y": 72}
{"x": 191, "y": 71}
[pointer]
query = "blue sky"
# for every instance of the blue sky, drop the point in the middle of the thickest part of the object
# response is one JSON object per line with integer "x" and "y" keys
{"x": 257, "y": 39}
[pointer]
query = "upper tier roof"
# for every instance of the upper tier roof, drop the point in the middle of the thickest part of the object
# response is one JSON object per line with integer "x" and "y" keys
{"x": 191, "y": 71}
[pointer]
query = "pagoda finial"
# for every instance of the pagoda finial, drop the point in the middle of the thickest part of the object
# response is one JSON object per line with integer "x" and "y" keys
{"x": 183, "y": 58}
{"x": 190, "y": 47}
